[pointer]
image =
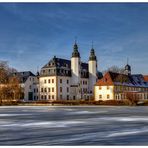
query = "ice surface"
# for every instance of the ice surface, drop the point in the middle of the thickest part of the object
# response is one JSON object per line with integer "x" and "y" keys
{"x": 50, "y": 125}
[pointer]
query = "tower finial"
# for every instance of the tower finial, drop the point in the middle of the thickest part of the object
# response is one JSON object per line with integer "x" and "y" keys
{"x": 127, "y": 60}
{"x": 92, "y": 44}
{"x": 75, "y": 39}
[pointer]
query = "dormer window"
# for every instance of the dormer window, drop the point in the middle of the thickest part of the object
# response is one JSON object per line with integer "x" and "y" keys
{"x": 52, "y": 64}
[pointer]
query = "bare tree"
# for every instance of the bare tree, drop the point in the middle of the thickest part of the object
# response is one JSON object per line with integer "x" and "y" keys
{"x": 3, "y": 72}
{"x": 115, "y": 69}
{"x": 132, "y": 97}
{"x": 9, "y": 85}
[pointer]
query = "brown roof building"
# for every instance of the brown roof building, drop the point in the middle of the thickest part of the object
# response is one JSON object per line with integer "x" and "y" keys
{"x": 116, "y": 85}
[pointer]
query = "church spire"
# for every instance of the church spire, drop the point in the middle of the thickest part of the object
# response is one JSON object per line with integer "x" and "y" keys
{"x": 127, "y": 68}
{"x": 75, "y": 50}
{"x": 92, "y": 45}
{"x": 92, "y": 56}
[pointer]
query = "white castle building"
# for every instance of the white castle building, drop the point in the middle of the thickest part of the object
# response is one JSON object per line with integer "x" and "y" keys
{"x": 62, "y": 79}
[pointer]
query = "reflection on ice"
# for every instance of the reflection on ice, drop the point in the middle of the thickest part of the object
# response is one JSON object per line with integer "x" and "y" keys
{"x": 126, "y": 119}
{"x": 44, "y": 124}
{"x": 125, "y": 133}
{"x": 6, "y": 115}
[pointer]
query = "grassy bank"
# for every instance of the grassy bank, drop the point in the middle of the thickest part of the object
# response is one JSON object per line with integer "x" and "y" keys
{"x": 73, "y": 103}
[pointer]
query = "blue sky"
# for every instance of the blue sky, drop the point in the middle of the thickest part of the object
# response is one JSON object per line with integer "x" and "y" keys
{"x": 31, "y": 34}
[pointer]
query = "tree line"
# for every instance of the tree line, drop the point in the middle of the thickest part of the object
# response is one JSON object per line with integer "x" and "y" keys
{"x": 10, "y": 89}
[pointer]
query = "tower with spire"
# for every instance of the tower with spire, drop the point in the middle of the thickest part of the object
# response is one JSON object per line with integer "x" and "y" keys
{"x": 127, "y": 69}
{"x": 92, "y": 66}
{"x": 75, "y": 65}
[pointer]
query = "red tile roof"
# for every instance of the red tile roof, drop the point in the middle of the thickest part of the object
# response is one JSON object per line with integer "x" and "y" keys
{"x": 111, "y": 78}
{"x": 145, "y": 78}
{"x": 106, "y": 80}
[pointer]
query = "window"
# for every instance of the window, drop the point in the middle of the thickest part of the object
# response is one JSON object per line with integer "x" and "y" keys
{"x": 52, "y": 80}
{"x": 34, "y": 90}
{"x": 52, "y": 96}
{"x": 74, "y": 97}
{"x": 45, "y": 90}
{"x": 67, "y": 81}
{"x": 100, "y": 87}
{"x": 67, "y": 97}
{"x": 45, "y": 97}
{"x": 100, "y": 96}
{"x": 60, "y": 89}
{"x": 44, "y": 81}
{"x": 83, "y": 90}
{"x": 41, "y": 96}
{"x": 30, "y": 79}
{"x": 60, "y": 80}
{"x": 48, "y": 89}
{"x": 108, "y": 96}
{"x": 67, "y": 89}
{"x": 107, "y": 87}
{"x": 49, "y": 97}
{"x": 41, "y": 89}
{"x": 60, "y": 96}
{"x": 52, "y": 89}
{"x": 48, "y": 80}
{"x": 30, "y": 86}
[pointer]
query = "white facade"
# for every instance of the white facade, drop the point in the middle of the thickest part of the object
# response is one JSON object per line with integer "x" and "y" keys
{"x": 60, "y": 88}
{"x": 92, "y": 74}
{"x": 75, "y": 68}
{"x": 30, "y": 88}
{"x": 48, "y": 88}
{"x": 104, "y": 93}
{"x": 63, "y": 86}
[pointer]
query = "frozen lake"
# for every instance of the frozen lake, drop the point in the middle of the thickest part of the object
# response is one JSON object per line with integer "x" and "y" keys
{"x": 97, "y": 125}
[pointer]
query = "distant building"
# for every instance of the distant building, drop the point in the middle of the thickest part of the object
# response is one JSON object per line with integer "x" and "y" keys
{"x": 116, "y": 86}
{"x": 29, "y": 85}
{"x": 62, "y": 79}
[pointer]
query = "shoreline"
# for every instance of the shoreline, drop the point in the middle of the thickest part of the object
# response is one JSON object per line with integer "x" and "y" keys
{"x": 61, "y": 105}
